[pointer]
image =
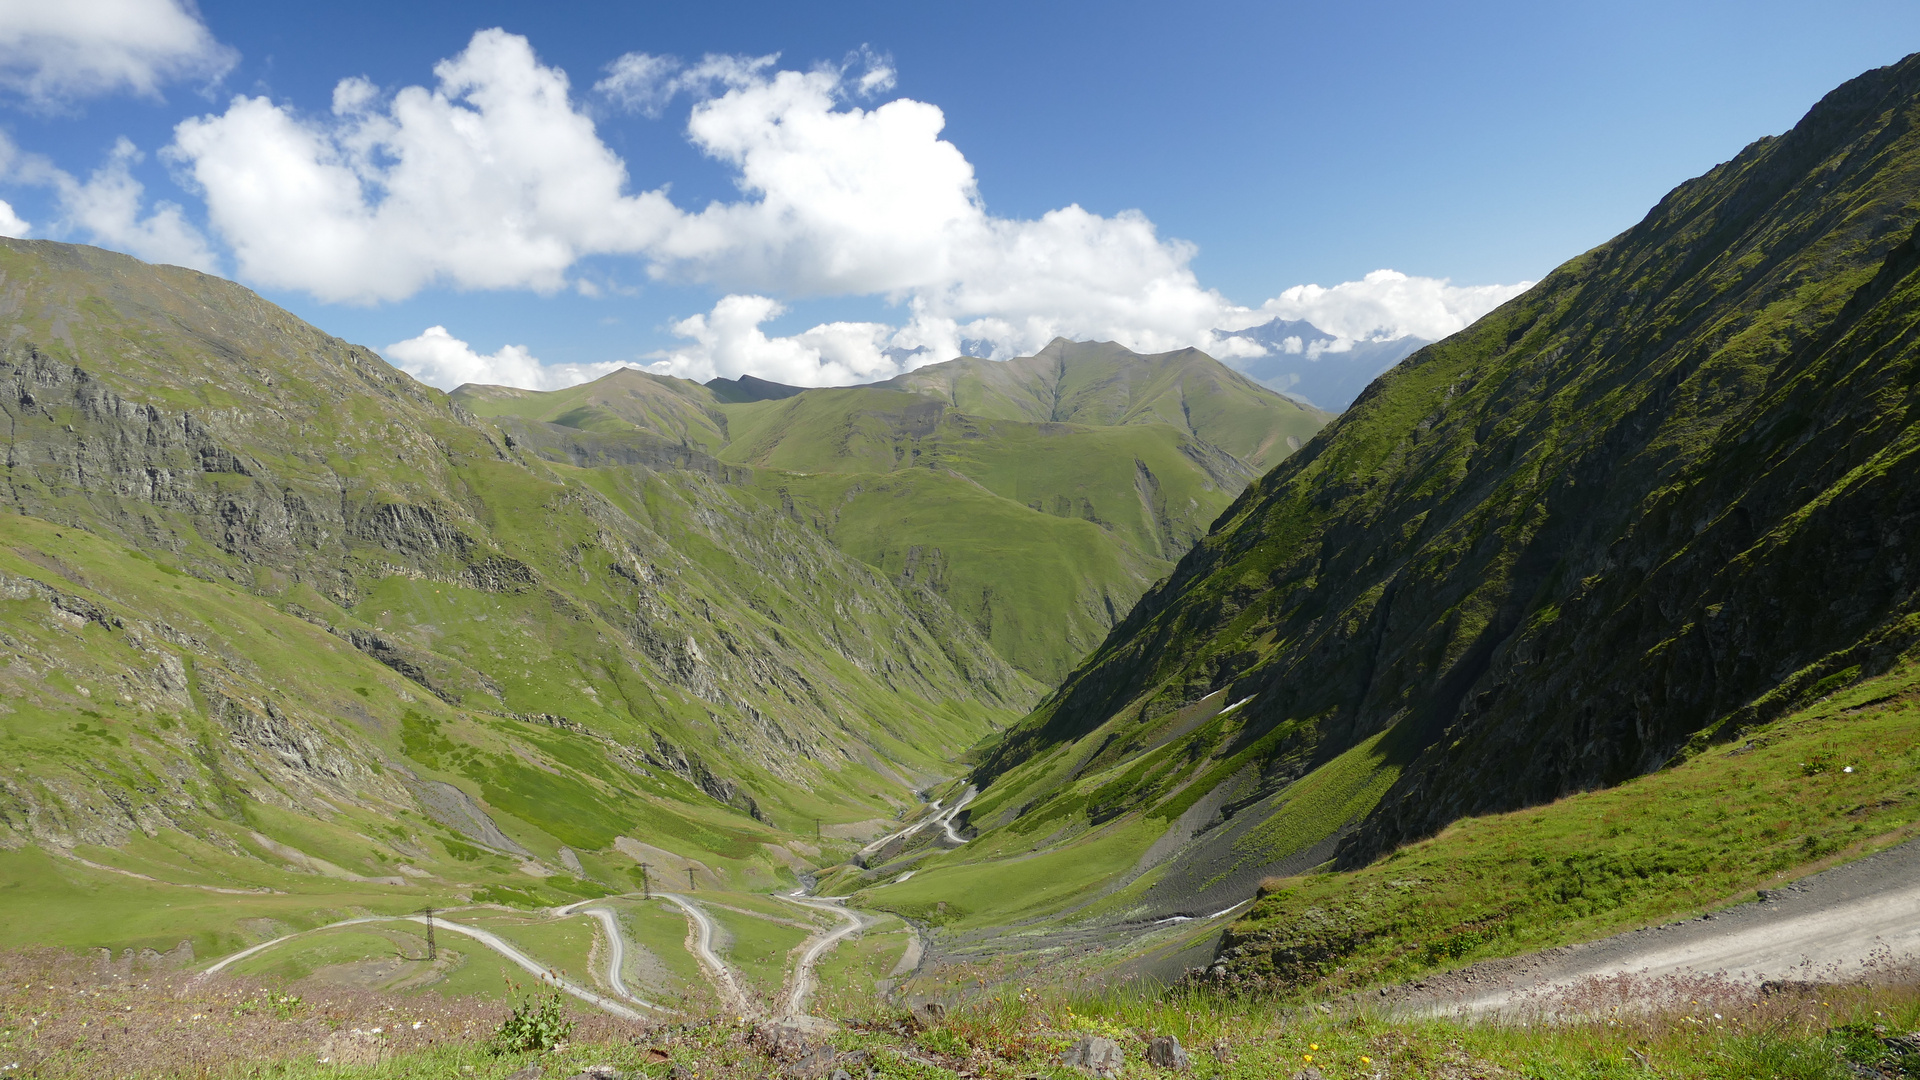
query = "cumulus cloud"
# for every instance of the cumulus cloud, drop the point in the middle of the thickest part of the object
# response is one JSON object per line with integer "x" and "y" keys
{"x": 55, "y": 51}
{"x": 644, "y": 83}
{"x": 729, "y": 343}
{"x": 1389, "y": 304}
{"x": 497, "y": 178}
{"x": 439, "y": 359}
{"x": 108, "y": 206}
{"x": 490, "y": 180}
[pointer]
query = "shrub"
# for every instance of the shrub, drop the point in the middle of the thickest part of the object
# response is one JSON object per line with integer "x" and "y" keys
{"x": 539, "y": 1024}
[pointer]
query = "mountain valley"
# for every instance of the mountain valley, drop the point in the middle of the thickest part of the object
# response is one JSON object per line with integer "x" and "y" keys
{"x": 1088, "y": 668}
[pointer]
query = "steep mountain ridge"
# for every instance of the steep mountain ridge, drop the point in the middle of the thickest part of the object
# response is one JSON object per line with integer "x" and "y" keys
{"x": 1039, "y": 497}
{"x": 1662, "y": 498}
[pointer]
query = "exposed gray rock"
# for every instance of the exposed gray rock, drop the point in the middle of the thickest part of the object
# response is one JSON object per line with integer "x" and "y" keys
{"x": 1096, "y": 1054}
{"x": 458, "y": 811}
{"x": 1165, "y": 1051}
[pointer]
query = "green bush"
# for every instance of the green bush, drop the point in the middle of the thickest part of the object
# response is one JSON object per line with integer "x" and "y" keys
{"x": 539, "y": 1024}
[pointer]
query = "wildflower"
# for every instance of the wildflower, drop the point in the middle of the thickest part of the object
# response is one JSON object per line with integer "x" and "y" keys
{"x": 1313, "y": 1046}
{"x": 1365, "y": 1060}
{"x": 377, "y": 1031}
{"x": 1306, "y": 1057}
{"x": 416, "y": 1025}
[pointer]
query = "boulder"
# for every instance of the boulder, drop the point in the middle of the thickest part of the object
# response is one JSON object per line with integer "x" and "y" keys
{"x": 1100, "y": 1056}
{"x": 1167, "y": 1053}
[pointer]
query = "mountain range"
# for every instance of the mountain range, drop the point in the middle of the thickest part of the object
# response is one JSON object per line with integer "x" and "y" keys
{"x": 280, "y": 618}
{"x": 1305, "y": 362}
{"x": 1078, "y": 664}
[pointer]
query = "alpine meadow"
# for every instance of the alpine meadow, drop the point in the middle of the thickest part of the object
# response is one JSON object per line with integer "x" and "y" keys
{"x": 1049, "y": 685}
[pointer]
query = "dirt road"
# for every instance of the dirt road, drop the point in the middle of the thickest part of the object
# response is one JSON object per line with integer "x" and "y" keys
{"x": 616, "y": 946}
{"x": 717, "y": 970}
{"x": 484, "y": 937}
{"x": 803, "y": 980}
{"x": 1849, "y": 922}
{"x": 942, "y": 818}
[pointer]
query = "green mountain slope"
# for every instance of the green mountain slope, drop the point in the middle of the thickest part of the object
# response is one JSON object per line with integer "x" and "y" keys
{"x": 1038, "y": 523}
{"x": 1663, "y": 498}
{"x": 1100, "y": 383}
{"x": 278, "y": 617}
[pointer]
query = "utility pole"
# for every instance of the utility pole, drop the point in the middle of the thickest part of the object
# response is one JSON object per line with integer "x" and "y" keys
{"x": 691, "y": 887}
{"x": 816, "y": 828}
{"x": 646, "y": 879}
{"x": 431, "y": 952}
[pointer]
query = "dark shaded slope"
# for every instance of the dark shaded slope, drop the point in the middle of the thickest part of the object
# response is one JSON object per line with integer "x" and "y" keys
{"x": 1667, "y": 492}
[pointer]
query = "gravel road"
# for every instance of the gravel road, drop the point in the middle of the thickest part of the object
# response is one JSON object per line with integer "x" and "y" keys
{"x": 1854, "y": 921}
{"x": 717, "y": 969}
{"x": 490, "y": 940}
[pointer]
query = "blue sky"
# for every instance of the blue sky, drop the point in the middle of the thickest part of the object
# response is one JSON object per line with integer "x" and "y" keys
{"x": 908, "y": 177}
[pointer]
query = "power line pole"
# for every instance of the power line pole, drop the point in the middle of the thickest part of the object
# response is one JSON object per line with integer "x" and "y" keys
{"x": 691, "y": 887}
{"x": 816, "y": 828}
{"x": 646, "y": 879}
{"x": 432, "y": 953}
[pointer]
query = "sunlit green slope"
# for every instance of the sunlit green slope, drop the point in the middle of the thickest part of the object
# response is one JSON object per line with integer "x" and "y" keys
{"x": 1038, "y": 525}
{"x": 275, "y": 616}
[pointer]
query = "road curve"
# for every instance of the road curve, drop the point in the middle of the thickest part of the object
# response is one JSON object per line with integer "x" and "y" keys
{"x": 717, "y": 969}
{"x": 616, "y": 945}
{"x": 941, "y": 818}
{"x": 803, "y": 980}
{"x": 484, "y": 937}
{"x": 1853, "y": 921}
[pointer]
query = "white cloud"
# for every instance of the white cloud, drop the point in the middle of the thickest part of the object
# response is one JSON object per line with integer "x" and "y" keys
{"x": 10, "y": 223}
{"x": 54, "y": 51}
{"x": 108, "y": 207}
{"x": 495, "y": 178}
{"x": 728, "y": 342}
{"x": 643, "y": 83}
{"x": 1389, "y": 304}
{"x": 440, "y": 359}
{"x": 491, "y": 180}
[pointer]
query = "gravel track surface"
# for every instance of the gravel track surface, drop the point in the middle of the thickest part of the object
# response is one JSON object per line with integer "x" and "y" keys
{"x": 1856, "y": 921}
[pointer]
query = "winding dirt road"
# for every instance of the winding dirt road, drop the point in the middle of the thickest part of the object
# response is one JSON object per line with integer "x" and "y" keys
{"x": 717, "y": 969}
{"x": 616, "y": 945}
{"x": 803, "y": 981}
{"x": 489, "y": 939}
{"x": 941, "y": 818}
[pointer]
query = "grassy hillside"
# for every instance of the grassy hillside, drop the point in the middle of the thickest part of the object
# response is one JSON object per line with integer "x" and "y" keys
{"x": 1100, "y": 383}
{"x": 1037, "y": 497}
{"x": 1631, "y": 517}
{"x": 288, "y": 635}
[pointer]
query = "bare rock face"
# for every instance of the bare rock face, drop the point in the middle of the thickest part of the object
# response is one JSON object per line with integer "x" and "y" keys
{"x": 1167, "y": 1053}
{"x": 1100, "y": 1056}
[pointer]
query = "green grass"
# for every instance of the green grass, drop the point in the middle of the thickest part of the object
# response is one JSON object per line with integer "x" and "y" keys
{"x": 1693, "y": 837}
{"x": 850, "y": 971}
{"x": 756, "y": 948}
{"x": 239, "y": 1027}
{"x": 978, "y": 891}
{"x": 660, "y": 928}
